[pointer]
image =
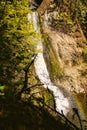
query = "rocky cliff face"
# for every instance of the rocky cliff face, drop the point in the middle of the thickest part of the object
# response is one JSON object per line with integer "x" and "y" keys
{"x": 67, "y": 47}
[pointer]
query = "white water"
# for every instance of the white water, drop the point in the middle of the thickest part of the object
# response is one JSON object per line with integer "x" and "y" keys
{"x": 62, "y": 103}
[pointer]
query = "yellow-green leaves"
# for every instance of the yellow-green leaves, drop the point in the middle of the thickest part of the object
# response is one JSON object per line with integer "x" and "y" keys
{"x": 17, "y": 39}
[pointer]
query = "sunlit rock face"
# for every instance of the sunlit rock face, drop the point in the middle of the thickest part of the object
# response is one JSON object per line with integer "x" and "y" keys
{"x": 67, "y": 50}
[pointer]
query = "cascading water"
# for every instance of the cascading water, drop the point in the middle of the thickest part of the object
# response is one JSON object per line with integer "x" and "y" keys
{"x": 62, "y": 103}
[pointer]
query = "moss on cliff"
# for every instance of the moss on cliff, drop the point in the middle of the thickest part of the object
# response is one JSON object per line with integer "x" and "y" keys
{"x": 53, "y": 64}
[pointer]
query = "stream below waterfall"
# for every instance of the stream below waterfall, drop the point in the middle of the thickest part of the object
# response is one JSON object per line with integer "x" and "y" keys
{"x": 62, "y": 103}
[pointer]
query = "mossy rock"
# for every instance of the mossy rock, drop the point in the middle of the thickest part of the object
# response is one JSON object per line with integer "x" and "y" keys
{"x": 54, "y": 68}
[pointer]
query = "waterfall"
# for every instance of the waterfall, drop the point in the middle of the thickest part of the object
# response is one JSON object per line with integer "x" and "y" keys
{"x": 62, "y": 103}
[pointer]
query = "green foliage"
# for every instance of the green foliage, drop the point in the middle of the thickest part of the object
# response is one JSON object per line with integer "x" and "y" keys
{"x": 2, "y": 88}
{"x": 63, "y": 22}
{"x": 78, "y": 9}
{"x": 56, "y": 70}
{"x": 68, "y": 12}
{"x": 16, "y": 40}
{"x": 83, "y": 15}
{"x": 48, "y": 99}
{"x": 54, "y": 66}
